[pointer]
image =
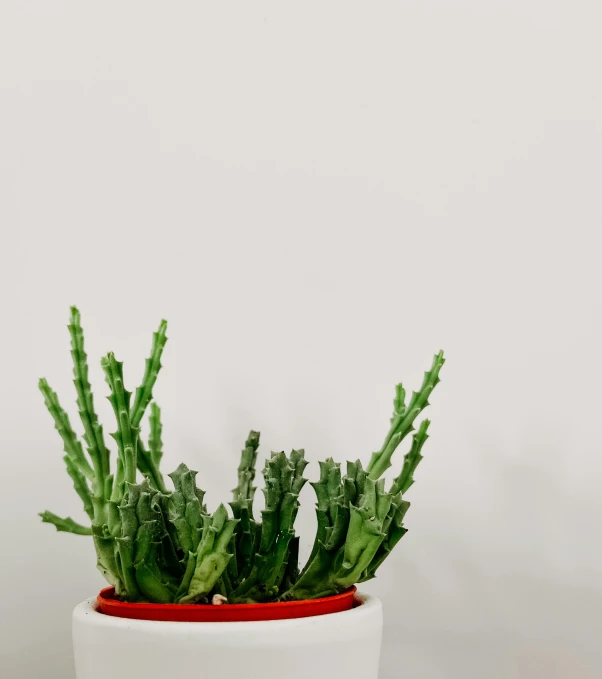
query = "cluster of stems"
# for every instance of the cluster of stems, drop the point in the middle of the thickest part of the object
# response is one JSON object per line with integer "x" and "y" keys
{"x": 162, "y": 545}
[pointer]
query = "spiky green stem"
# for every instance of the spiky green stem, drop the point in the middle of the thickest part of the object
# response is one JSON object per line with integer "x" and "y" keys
{"x": 147, "y": 467}
{"x": 212, "y": 555}
{"x": 155, "y": 443}
{"x": 284, "y": 480}
{"x": 126, "y": 435}
{"x": 92, "y": 506}
{"x": 246, "y": 469}
{"x": 93, "y": 434}
{"x": 394, "y": 530}
{"x": 144, "y": 395}
{"x": 403, "y": 420}
{"x": 242, "y": 507}
{"x": 67, "y": 525}
{"x": 406, "y": 478}
{"x": 71, "y": 443}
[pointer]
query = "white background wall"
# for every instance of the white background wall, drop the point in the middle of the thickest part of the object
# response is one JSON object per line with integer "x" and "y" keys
{"x": 319, "y": 196}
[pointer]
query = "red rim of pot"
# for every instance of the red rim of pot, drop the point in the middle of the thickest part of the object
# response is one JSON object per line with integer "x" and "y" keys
{"x": 285, "y": 610}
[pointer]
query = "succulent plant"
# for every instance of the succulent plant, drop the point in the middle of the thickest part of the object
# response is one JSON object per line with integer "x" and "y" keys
{"x": 162, "y": 545}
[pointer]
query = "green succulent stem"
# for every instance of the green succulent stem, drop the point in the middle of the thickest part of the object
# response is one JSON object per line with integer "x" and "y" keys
{"x": 403, "y": 419}
{"x": 276, "y": 547}
{"x": 148, "y": 467}
{"x": 92, "y": 506}
{"x": 155, "y": 442}
{"x": 212, "y": 555}
{"x": 71, "y": 443}
{"x": 406, "y": 478}
{"x": 246, "y": 469}
{"x": 93, "y": 433}
{"x": 126, "y": 435}
{"x": 144, "y": 394}
{"x": 246, "y": 533}
{"x": 67, "y": 525}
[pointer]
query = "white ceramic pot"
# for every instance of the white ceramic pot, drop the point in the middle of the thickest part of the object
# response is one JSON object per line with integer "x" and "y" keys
{"x": 322, "y": 647}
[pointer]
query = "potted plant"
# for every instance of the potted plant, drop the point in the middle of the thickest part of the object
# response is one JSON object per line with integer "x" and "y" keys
{"x": 195, "y": 592}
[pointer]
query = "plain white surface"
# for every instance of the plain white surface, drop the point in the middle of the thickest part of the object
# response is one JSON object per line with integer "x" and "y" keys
{"x": 339, "y": 645}
{"x": 319, "y": 196}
